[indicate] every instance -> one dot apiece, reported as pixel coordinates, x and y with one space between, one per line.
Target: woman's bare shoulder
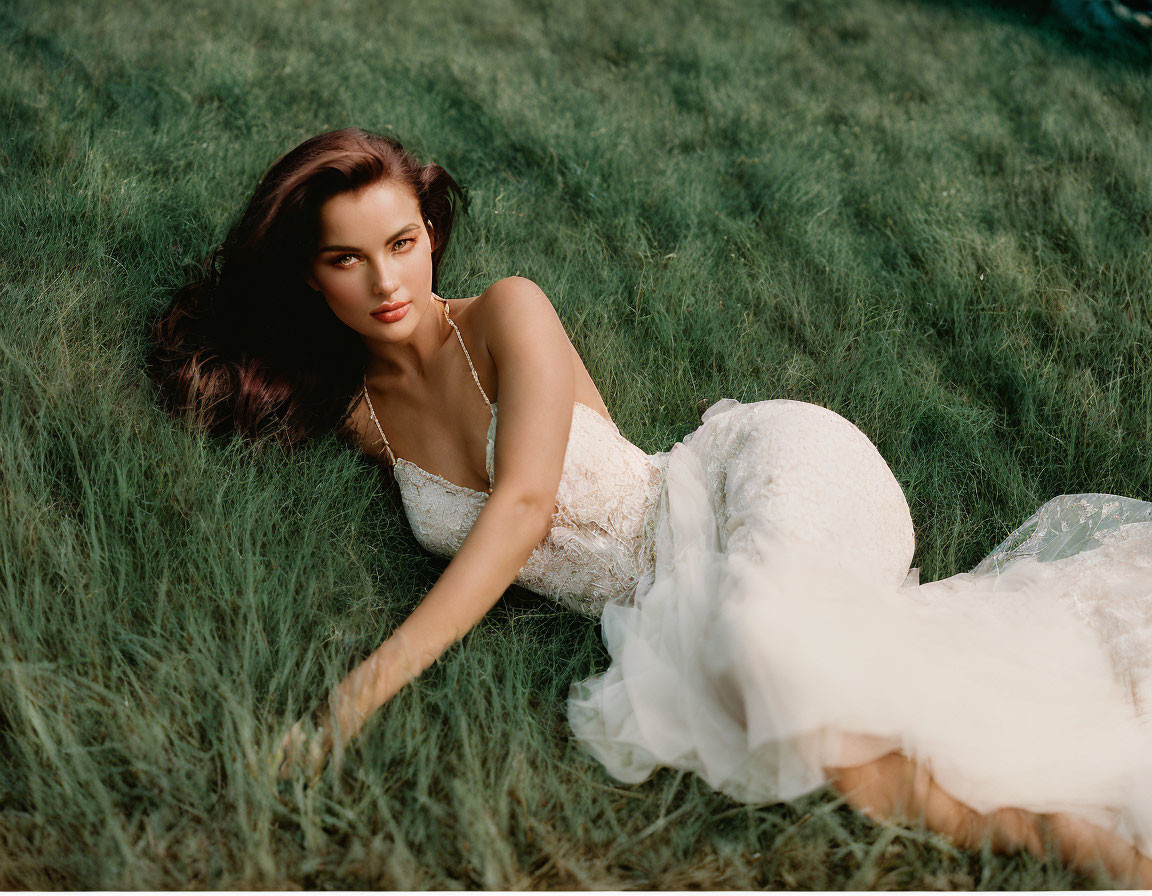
494 300
517 303
512 288
511 302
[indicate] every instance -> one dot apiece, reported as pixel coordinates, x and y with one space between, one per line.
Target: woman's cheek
421 268
337 300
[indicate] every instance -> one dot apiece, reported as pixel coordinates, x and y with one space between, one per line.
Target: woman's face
373 262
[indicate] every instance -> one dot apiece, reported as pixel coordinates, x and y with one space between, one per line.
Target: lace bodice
601 542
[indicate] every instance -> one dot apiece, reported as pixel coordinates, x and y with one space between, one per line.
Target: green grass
934 218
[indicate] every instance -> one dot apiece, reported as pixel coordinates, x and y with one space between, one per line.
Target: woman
751 580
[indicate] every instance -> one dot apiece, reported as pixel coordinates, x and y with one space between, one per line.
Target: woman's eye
345 261
403 243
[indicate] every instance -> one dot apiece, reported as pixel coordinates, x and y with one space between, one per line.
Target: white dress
757 604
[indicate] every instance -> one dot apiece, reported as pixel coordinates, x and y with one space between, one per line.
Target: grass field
934 218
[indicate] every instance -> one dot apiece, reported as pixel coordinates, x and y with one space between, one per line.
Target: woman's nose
383 283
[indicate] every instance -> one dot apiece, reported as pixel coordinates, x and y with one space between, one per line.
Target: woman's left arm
533 361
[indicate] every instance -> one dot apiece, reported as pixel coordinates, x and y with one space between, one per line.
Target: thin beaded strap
372 416
468 357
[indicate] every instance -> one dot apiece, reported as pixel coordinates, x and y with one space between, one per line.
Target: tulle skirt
782 634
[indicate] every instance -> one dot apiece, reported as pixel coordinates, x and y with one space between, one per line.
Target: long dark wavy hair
248 346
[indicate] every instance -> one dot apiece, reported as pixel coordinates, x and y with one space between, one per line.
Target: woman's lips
391 312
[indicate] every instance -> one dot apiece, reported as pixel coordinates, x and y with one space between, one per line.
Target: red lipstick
390 312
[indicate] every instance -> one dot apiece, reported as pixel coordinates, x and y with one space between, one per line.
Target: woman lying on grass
750 581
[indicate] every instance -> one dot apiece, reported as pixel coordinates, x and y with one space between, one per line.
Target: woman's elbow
537 514
531 508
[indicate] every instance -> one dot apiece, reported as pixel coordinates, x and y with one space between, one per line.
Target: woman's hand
306 746
309 742
343 713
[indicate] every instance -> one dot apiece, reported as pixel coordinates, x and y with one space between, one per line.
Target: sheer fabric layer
780 635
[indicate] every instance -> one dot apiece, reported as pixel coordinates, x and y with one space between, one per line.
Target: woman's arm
536 390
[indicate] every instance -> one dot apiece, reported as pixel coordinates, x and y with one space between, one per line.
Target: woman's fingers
290 750
305 748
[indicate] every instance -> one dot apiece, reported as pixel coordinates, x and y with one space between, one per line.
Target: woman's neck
412 358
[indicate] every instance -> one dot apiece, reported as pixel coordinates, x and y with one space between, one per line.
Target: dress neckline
491 440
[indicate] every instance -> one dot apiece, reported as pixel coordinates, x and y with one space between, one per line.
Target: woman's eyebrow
399 233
